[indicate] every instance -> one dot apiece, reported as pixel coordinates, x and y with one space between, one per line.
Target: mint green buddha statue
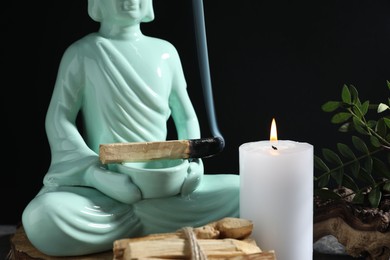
125 86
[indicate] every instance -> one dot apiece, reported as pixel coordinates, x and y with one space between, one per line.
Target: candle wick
274 147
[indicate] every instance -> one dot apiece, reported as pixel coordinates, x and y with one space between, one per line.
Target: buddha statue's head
136 11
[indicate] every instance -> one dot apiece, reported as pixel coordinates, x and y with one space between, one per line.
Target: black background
279 59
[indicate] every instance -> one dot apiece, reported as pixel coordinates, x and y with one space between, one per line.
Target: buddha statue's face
125 12
130 5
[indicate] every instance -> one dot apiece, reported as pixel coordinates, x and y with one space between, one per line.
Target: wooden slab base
22 249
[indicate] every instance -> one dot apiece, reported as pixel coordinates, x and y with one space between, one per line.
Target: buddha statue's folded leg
71 221
216 197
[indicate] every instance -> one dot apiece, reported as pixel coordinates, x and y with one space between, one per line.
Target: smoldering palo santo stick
171 149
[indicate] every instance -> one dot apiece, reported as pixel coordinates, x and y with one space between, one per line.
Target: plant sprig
362 167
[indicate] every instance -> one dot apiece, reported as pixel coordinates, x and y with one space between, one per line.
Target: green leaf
380 168
387 122
386 187
380 127
371 123
354 94
368 165
355 169
326 194
346 95
359 126
359 144
319 164
340 117
338 175
323 180
330 106
360 166
346 151
331 156
358 111
382 107
374 197
350 183
364 107
358 198
366 177
375 141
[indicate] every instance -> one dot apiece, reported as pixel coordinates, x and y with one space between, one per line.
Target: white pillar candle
276 193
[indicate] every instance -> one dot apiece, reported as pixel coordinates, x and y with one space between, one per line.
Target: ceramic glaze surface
157 179
125 85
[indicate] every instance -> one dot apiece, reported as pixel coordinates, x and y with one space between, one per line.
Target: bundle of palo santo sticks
228 238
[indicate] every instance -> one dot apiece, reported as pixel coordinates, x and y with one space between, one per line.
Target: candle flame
273 135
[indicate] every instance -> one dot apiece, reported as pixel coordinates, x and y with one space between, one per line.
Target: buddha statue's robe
120 100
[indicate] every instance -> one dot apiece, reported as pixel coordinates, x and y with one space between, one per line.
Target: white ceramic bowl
157 179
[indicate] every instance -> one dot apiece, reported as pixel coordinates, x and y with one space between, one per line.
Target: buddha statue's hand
194 176
115 185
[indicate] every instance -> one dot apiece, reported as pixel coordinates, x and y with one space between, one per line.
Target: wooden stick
180 248
147 151
235 228
269 255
